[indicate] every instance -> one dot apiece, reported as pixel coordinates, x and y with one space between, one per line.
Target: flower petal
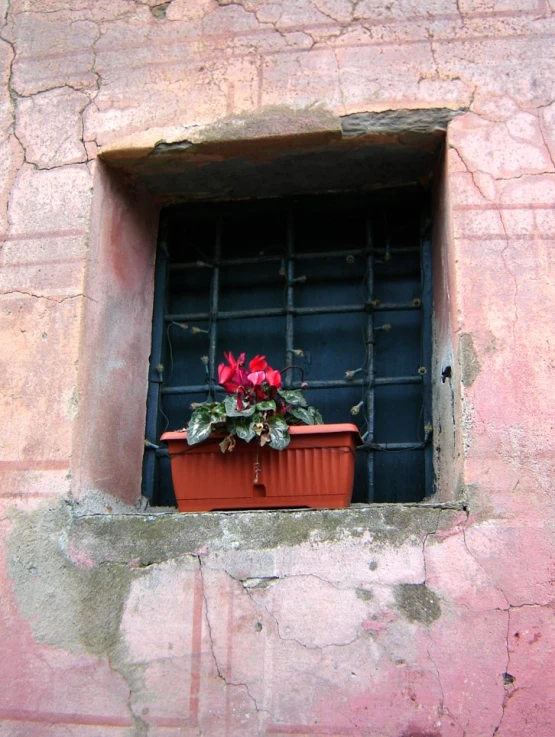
258 363
225 373
273 377
257 377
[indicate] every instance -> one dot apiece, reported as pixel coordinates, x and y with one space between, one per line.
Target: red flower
225 373
234 376
260 394
257 364
273 377
236 380
257 377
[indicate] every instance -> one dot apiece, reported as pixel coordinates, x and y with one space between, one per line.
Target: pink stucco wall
430 621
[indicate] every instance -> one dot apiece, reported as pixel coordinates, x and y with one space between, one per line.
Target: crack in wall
425 542
441 706
140 726
41 155
260 711
22 293
475 559
496 177
259 585
11 130
33 532
508 691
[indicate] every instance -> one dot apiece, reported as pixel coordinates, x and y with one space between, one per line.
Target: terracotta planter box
316 470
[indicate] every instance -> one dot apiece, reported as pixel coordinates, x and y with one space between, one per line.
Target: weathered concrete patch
417 602
274 121
391 122
71 606
159 11
364 594
250 130
72 573
153 538
470 364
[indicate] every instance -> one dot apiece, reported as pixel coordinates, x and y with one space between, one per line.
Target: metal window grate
180 274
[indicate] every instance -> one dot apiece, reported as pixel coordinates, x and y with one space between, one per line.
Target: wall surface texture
395 621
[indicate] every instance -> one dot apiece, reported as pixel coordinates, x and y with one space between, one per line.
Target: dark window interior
336 285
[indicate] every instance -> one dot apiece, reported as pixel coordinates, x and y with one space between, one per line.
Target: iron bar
214 301
370 344
397 380
319 255
189 389
294 311
397 447
289 297
426 345
329 384
316 256
346 383
156 370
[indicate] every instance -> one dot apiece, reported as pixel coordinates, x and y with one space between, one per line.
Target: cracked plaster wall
420 622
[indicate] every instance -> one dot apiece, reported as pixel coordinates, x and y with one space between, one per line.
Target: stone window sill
153 536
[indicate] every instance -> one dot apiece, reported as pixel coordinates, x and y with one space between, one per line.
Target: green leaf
230 425
218 412
318 420
308 415
257 423
244 429
200 426
279 432
230 403
294 397
267 404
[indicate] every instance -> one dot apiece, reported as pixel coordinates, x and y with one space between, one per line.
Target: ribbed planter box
316 470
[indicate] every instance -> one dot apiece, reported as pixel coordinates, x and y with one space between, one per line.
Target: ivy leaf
230 403
257 424
279 432
308 415
200 426
268 404
318 420
294 397
218 412
244 429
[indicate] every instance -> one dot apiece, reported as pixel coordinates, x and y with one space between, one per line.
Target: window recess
338 286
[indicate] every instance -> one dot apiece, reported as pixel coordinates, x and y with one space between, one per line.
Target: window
337 286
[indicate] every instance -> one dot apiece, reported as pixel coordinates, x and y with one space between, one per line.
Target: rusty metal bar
296 311
426 345
370 345
330 384
316 256
214 301
396 447
289 299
